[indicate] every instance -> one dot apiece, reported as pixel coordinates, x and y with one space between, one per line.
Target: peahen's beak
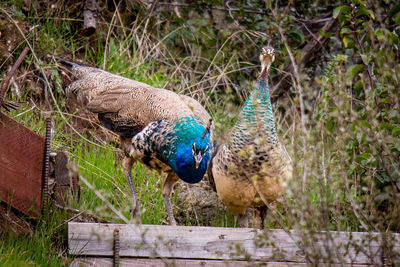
267 56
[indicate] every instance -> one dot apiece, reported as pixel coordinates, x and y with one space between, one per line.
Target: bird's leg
263 215
256 217
127 163
243 220
167 188
259 217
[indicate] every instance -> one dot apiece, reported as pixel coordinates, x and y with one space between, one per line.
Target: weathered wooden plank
143 262
21 166
187 242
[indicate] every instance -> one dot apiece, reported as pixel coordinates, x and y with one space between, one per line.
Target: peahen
252 167
166 131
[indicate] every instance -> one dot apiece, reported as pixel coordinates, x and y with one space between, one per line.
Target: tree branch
309 53
90 17
170 6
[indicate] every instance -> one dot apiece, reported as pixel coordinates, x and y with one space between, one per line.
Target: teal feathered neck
257 112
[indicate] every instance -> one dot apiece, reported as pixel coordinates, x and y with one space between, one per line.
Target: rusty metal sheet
21 166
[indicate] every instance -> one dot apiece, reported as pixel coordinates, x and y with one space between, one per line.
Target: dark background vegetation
335 87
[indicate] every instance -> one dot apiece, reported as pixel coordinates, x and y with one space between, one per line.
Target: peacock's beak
198 158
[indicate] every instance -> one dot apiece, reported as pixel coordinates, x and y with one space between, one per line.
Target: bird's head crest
207 129
267 56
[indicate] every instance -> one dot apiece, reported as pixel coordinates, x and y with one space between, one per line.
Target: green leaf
362 157
340 10
396 132
179 20
394 11
361 137
358 87
397 146
336 12
359 2
366 124
382 34
386 126
367 12
365 59
397 19
345 30
297 34
352 71
347 41
351 169
330 124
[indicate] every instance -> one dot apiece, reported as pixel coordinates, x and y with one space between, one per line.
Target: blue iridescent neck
188 131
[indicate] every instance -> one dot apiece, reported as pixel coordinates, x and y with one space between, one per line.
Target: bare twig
230 12
106 202
11 73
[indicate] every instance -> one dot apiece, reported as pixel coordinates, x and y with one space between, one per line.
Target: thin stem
297 85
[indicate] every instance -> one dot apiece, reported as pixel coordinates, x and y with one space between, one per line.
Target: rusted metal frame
75 187
46 166
11 73
116 248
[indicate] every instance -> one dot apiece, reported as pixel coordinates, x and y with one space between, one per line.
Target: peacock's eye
194 147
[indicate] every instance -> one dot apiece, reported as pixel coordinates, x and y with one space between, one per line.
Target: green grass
43 247
100 167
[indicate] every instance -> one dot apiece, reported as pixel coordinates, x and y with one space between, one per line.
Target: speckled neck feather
257 112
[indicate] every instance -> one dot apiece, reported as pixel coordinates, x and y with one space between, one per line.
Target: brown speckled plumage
252 160
128 101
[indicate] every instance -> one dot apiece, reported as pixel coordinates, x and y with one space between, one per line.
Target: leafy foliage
361 102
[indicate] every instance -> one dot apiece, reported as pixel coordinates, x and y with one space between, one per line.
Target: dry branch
90 17
309 53
11 73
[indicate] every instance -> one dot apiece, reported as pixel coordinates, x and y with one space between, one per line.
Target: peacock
252 168
168 132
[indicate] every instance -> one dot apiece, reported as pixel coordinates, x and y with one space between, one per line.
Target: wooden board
21 166
142 262
213 243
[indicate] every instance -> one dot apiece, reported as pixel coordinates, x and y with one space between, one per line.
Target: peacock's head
193 152
198 153
267 56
